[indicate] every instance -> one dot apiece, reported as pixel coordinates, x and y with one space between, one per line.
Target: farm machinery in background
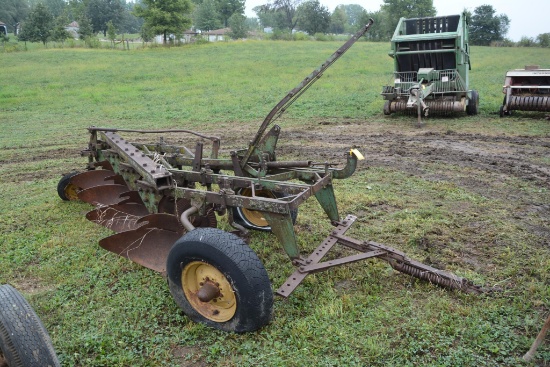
431 66
162 202
526 90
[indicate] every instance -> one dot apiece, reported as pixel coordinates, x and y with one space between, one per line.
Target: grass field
470 194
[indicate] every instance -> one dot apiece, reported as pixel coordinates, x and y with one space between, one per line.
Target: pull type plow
162 202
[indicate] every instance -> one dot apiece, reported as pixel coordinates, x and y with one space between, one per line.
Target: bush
279 35
92 42
324 37
300 36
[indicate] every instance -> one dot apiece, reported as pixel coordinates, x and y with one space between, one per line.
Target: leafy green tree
339 20
56 7
100 12
313 17
129 23
59 33
266 16
226 8
85 28
381 31
146 34
13 12
206 16
395 9
486 26
111 32
252 24
543 39
38 26
286 13
165 17
355 14
239 29
527 42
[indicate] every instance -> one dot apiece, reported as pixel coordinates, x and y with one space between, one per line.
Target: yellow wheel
208 291
254 219
67 190
216 279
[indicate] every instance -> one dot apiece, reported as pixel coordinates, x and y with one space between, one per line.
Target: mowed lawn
102 310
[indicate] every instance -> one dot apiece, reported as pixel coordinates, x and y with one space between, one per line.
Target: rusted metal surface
369 249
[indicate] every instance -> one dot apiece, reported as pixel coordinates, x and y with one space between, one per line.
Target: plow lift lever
295 93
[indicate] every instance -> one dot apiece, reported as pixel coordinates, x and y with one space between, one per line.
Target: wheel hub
208 291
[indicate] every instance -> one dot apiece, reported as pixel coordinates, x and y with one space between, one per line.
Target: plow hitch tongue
162 202
369 249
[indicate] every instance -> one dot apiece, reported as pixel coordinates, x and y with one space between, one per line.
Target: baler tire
501 111
244 217
24 341
387 110
473 108
212 255
65 184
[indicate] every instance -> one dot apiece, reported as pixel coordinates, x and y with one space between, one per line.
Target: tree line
45 20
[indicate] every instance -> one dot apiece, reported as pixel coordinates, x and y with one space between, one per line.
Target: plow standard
162 201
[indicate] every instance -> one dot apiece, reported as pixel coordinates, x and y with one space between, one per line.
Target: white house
73 29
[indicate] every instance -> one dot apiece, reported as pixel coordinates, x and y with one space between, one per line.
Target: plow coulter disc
149 244
88 179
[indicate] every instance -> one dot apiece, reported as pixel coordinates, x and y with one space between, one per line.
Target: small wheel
473 104
254 219
387 110
65 189
24 341
501 111
216 279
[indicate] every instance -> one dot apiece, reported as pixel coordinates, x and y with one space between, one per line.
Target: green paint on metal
281 225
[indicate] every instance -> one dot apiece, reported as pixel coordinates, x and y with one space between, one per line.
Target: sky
527 18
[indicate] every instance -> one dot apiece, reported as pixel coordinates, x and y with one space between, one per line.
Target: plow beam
369 249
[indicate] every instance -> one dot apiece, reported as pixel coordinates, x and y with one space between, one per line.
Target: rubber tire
240 218
473 108
387 110
63 183
238 263
501 111
23 339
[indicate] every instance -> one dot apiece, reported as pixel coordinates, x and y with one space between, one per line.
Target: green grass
103 310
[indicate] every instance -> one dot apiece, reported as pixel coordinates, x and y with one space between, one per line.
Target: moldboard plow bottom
162 202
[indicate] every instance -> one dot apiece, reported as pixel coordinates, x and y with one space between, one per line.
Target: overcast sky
527 18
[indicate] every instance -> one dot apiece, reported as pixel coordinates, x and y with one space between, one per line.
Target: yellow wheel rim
253 216
197 275
71 192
